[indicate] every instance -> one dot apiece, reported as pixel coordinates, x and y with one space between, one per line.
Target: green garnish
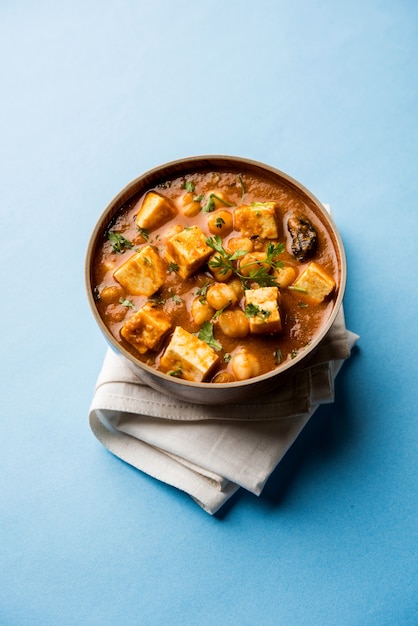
175 298
252 310
278 355
144 233
176 373
219 222
157 300
224 262
202 291
209 206
206 334
242 186
293 353
127 303
299 289
189 186
227 357
119 242
173 267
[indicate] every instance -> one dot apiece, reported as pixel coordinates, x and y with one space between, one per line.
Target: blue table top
93 94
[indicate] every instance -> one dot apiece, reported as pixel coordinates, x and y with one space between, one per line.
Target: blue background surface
93 94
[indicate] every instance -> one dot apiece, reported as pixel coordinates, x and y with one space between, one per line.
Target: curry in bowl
216 274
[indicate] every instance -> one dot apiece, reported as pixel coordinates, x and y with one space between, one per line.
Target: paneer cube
188 357
262 310
143 273
259 219
187 251
155 211
146 328
314 284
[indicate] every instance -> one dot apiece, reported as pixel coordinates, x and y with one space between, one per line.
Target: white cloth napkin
211 451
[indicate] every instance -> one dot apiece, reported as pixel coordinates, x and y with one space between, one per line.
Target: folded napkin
211 451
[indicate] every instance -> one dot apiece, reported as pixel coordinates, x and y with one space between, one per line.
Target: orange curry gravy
301 318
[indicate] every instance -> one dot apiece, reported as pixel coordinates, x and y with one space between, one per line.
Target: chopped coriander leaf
173 267
302 305
202 291
219 222
209 206
278 355
206 334
189 186
220 311
261 275
119 242
227 357
175 298
176 373
127 303
242 186
300 289
293 353
198 198
252 310
157 300
144 233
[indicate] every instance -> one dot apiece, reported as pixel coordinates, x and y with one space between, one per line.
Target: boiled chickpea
223 377
174 230
244 365
115 312
285 276
233 323
220 222
188 206
218 272
240 243
236 285
252 262
111 295
219 198
220 295
201 311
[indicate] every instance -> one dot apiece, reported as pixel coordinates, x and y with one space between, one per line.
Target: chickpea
233 323
115 312
107 266
220 295
173 231
219 273
244 365
236 285
223 377
201 311
188 206
285 276
252 262
220 222
111 294
219 198
240 243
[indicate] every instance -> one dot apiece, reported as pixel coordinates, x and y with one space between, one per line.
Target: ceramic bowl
210 393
